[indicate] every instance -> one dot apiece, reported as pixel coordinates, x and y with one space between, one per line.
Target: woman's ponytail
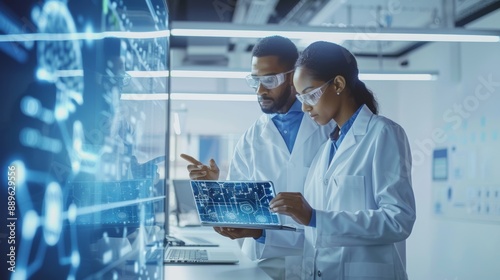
362 95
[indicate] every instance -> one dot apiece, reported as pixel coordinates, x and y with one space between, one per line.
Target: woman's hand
292 204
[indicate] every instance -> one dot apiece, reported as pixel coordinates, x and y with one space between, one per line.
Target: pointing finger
191 159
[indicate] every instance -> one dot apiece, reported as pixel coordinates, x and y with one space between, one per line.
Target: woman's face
322 102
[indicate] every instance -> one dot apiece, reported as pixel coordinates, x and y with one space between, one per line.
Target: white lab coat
365 207
261 154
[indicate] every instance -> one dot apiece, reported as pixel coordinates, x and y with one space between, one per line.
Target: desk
244 270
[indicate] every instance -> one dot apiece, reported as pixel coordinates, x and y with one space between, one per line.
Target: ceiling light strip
26 37
214 29
398 76
241 74
190 97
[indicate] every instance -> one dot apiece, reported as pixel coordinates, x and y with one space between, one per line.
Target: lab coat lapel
307 128
271 132
358 129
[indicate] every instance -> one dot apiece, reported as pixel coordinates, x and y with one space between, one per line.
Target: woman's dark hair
325 61
282 47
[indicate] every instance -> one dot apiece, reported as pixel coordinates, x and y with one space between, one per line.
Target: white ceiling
205 117
362 14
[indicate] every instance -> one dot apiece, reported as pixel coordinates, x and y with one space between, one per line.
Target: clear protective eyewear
313 96
269 81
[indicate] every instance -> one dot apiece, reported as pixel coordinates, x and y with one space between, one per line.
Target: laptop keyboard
182 255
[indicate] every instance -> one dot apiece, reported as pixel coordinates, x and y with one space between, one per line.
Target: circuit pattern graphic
51 209
234 202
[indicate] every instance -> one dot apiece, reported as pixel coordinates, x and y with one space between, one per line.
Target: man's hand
292 204
199 171
235 233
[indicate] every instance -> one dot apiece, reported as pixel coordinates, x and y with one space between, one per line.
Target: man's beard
278 103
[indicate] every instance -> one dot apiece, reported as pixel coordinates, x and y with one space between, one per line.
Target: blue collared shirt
337 136
288 124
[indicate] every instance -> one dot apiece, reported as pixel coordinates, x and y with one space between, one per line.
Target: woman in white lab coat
358 206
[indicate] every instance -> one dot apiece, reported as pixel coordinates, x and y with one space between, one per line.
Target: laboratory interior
100 98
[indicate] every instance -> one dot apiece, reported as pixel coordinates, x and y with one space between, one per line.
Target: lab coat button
325 181
319 273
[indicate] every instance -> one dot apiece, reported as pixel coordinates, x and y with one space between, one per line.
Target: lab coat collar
358 128
307 128
270 131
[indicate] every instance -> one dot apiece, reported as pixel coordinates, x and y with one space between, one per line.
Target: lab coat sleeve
278 243
390 188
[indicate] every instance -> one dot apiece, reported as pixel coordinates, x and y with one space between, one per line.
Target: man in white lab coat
279 147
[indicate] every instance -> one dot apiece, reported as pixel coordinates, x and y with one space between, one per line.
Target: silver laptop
185 208
239 204
186 255
189 241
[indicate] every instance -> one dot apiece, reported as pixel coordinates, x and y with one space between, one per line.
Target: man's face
279 99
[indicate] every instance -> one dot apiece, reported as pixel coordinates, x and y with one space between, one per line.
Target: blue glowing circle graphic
53 210
231 216
246 208
122 215
30 224
261 218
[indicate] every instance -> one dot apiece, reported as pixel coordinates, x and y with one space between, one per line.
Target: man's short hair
279 46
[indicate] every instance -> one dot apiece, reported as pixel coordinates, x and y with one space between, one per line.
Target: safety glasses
269 82
313 96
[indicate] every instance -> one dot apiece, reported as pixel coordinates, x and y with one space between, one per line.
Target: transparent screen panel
84 129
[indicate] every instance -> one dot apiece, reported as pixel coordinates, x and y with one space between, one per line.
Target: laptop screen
235 202
185 207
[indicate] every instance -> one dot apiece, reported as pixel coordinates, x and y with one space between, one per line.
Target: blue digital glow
83 208
53 206
31 106
234 202
30 224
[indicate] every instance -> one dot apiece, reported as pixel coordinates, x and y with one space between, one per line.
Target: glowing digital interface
83 188
234 202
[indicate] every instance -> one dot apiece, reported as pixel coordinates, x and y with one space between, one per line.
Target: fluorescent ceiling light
394 76
24 37
209 74
369 33
398 76
190 97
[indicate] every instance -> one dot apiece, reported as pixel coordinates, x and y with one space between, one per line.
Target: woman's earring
338 92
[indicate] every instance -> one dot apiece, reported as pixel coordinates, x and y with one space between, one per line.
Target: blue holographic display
234 202
82 194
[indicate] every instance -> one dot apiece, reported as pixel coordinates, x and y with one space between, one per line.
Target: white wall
449 248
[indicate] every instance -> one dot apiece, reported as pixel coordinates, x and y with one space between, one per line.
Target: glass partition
84 125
